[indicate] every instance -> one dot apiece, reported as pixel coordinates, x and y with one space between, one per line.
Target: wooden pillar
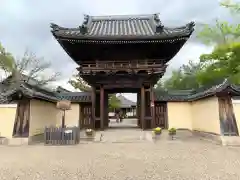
93 107
138 110
101 108
106 110
143 108
153 123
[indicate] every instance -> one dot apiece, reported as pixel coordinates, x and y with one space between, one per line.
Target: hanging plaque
64 105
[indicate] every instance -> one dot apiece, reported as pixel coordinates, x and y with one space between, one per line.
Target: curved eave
132 40
231 89
64 48
117 39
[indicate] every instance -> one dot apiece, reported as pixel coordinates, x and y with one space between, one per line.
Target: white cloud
63 83
26 24
190 51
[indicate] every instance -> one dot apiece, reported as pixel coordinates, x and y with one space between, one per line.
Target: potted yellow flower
89 132
172 132
157 131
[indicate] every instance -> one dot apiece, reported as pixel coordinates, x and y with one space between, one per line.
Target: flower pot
158 133
89 133
172 133
157 130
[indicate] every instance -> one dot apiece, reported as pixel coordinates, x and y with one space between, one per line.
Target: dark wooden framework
161 115
228 124
85 115
22 117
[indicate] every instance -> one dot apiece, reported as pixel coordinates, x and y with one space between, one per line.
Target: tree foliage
184 77
30 65
114 102
234 7
223 62
78 83
222 32
7 63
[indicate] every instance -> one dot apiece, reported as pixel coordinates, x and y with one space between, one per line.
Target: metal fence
61 136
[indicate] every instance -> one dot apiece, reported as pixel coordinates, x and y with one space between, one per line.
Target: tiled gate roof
123 26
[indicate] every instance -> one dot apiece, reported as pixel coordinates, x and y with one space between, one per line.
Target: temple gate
123 54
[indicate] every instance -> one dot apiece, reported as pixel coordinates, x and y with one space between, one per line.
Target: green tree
182 78
234 7
222 32
7 63
159 85
114 102
223 62
174 81
78 83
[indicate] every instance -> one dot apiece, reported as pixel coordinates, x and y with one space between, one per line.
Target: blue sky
25 25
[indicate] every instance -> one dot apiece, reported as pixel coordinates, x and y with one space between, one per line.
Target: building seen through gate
123 54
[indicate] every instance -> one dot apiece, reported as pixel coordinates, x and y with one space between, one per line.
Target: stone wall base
181 133
18 141
215 138
13 141
230 140
218 139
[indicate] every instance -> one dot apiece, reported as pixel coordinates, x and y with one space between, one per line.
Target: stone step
17 141
3 141
230 140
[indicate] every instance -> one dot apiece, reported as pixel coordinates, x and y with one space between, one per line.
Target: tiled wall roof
197 94
76 96
187 95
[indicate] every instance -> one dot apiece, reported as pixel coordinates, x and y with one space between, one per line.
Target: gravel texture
179 159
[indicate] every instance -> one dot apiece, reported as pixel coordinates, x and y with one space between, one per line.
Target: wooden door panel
227 117
87 117
161 115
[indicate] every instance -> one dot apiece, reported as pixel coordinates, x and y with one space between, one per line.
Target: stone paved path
121 161
184 158
126 123
123 135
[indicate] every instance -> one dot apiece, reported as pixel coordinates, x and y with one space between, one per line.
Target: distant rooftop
126 103
60 89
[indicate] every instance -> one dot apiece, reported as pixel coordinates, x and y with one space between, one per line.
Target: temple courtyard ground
122 156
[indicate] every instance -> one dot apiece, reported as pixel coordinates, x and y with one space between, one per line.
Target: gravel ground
192 159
